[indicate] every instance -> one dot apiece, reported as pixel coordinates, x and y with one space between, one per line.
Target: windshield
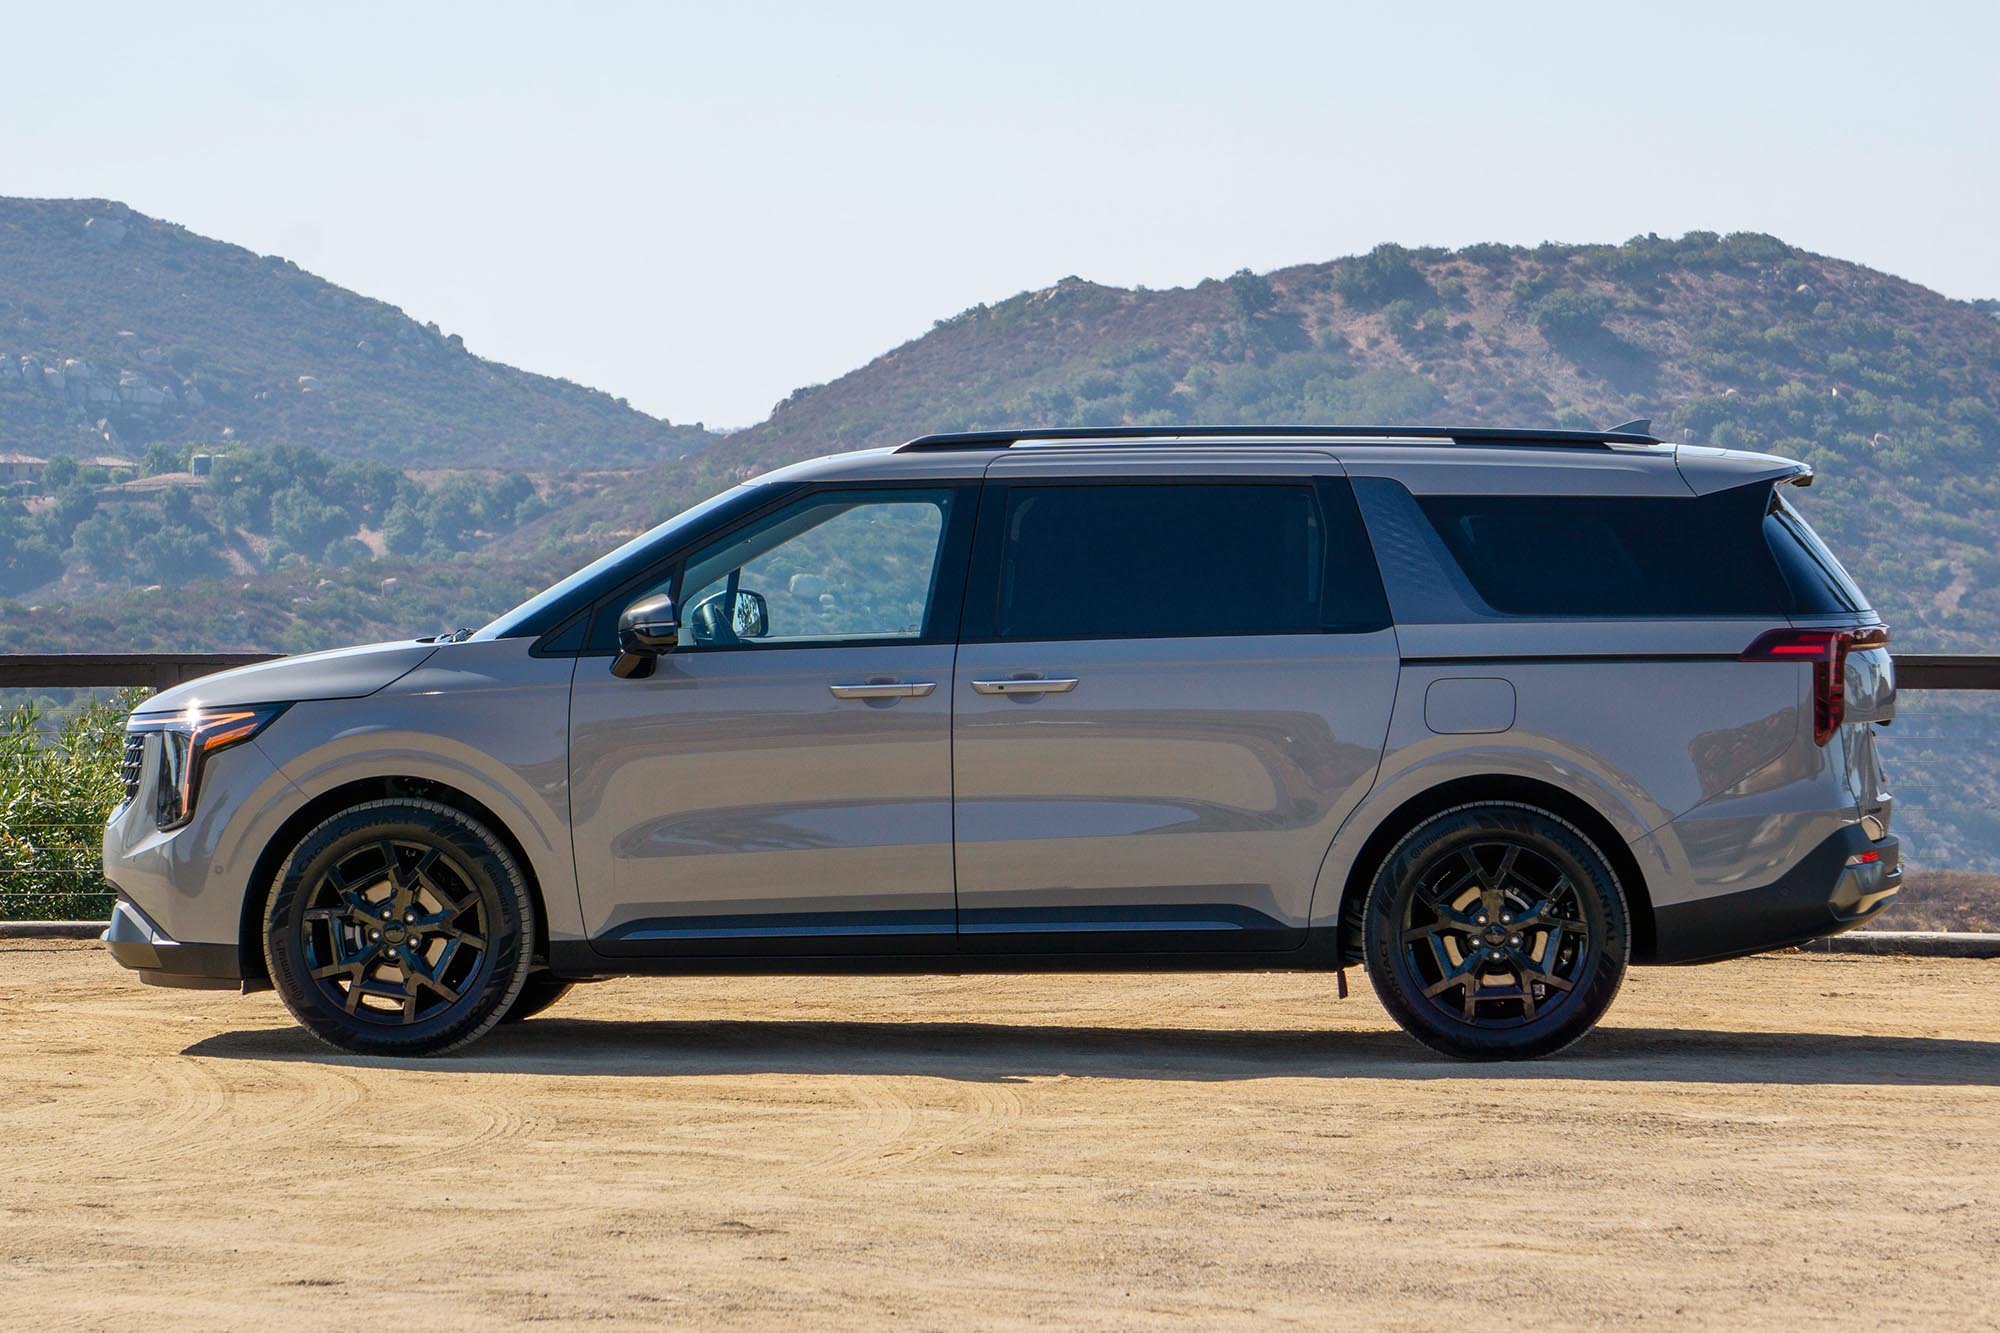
526 617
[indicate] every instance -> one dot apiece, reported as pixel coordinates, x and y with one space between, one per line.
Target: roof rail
1002 439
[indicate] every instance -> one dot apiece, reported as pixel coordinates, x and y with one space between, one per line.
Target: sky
702 207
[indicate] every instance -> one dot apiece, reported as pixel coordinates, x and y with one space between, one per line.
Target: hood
342 673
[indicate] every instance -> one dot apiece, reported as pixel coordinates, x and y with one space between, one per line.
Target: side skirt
578 961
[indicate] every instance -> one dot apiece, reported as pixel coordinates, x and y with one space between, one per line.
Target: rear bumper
1846 881
161 960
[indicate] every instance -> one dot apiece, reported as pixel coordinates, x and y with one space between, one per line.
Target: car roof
1426 459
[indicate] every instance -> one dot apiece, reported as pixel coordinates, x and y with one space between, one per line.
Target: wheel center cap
393 934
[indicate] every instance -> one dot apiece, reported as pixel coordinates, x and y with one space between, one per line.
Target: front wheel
399 927
1496 931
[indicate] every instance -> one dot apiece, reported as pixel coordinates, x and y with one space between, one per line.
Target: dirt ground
1768 1142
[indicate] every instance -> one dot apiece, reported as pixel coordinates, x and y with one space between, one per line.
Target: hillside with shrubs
118 330
1891 390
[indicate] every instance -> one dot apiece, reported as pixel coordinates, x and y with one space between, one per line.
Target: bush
59 783
1250 294
1567 315
1382 275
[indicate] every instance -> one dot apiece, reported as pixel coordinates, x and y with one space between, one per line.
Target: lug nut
1506 917
374 934
1482 920
1515 940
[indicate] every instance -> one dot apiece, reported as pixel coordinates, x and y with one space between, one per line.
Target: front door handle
1031 685
893 689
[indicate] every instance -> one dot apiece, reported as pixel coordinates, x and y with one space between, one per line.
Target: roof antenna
1640 426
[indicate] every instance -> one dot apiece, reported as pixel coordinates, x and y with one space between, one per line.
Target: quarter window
1605 556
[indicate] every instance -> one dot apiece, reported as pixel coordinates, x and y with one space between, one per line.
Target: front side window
833 567
1109 560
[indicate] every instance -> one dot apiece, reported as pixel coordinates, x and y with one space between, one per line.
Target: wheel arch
1414 810
318 809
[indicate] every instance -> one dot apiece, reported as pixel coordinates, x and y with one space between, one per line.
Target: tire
541 991
1518 987
360 979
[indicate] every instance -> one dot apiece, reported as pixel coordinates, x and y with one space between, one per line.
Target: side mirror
646 629
720 618
752 617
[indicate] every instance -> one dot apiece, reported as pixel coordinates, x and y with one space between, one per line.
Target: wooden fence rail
89 670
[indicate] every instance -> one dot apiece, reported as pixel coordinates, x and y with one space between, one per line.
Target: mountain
1892 391
118 330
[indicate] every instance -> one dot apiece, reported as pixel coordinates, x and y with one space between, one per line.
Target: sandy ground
1770 1141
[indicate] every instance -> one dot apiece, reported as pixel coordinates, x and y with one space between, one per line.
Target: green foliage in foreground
58 785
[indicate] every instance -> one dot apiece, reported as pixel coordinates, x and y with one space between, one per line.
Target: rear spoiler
1707 470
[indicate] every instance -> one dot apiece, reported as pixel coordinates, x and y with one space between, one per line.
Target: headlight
186 741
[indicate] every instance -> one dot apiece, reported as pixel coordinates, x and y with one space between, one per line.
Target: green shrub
1567 315
1384 274
59 783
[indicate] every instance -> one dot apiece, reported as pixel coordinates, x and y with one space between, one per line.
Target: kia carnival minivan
1491 713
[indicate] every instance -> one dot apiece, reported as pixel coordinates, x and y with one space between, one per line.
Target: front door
782 781
1170 692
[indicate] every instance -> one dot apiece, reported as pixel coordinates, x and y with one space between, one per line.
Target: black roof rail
1633 433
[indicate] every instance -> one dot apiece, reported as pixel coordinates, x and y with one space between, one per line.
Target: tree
161 458
1382 275
60 472
1250 294
1567 315
306 521
403 529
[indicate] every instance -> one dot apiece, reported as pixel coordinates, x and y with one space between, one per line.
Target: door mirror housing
647 628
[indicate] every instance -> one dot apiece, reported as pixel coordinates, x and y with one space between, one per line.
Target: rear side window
1613 556
1818 584
1182 559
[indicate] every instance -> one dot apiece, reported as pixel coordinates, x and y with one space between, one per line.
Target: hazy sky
701 207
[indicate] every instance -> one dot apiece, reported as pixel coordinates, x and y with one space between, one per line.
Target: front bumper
1846 881
161 960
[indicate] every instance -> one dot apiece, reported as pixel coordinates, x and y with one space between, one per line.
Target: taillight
1827 650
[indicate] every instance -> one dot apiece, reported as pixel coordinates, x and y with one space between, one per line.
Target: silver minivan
1492 713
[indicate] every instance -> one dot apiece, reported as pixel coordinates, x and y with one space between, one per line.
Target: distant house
109 462
21 467
149 488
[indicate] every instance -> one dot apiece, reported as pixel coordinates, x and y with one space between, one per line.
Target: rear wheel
399 927
541 991
1496 931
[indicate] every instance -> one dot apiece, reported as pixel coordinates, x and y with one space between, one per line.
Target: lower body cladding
161 960
1845 881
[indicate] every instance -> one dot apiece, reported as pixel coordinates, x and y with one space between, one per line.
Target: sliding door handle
892 689
1032 685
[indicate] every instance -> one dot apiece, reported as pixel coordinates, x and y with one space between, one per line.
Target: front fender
484 719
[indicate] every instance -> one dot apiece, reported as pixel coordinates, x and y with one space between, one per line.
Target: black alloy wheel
399 927
1496 931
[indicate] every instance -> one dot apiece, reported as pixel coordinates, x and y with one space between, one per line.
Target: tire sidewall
1601 896
494 874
